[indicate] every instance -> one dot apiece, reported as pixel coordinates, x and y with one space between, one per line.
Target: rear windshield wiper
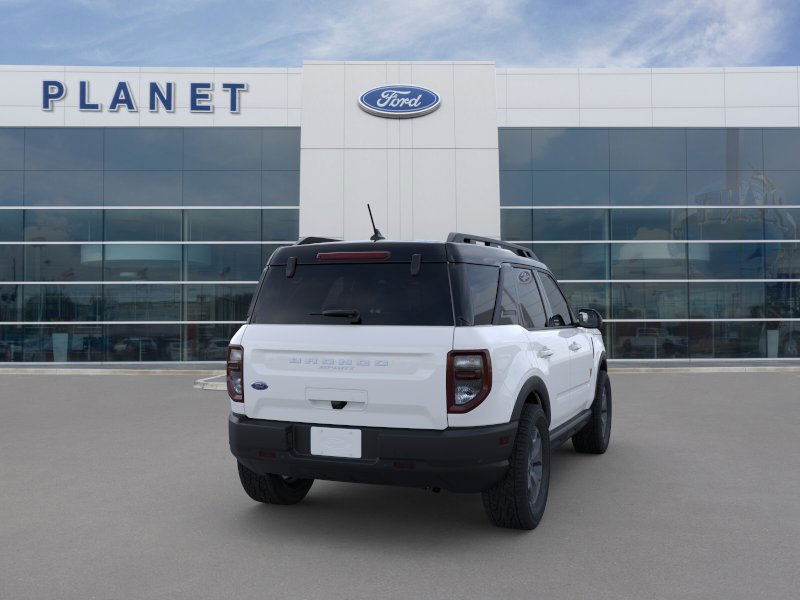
346 313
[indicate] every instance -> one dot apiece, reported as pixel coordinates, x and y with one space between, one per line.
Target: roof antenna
377 235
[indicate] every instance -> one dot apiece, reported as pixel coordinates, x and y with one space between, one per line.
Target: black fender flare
602 364
533 385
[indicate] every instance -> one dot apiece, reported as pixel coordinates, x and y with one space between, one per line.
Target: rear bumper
468 459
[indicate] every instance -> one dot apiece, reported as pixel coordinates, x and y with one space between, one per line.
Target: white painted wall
424 176
690 97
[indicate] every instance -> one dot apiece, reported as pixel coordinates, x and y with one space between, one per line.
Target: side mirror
589 318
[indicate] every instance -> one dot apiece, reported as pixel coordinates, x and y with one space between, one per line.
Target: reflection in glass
636 300
575 261
280 188
62 343
570 149
648 261
516 225
218 302
726 224
142 225
726 261
10 305
280 148
143 148
648 149
221 148
62 303
63 225
280 224
648 224
650 339
63 188
142 302
782 148
11 188
147 262
557 224
234 262
221 188
587 295
142 188
563 188
783 340
208 342
783 299
143 342
727 340
222 225
63 148
10 226
726 300
12 148
782 260
648 187
724 149
516 188
515 149
63 262
11 263
731 188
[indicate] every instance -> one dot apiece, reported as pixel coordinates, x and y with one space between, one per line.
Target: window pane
12 145
208 342
516 188
648 187
218 302
221 188
474 293
587 295
11 263
142 302
557 188
781 223
63 343
516 224
726 224
11 188
280 224
61 302
222 225
570 149
783 299
515 149
142 225
575 261
142 188
649 300
10 226
648 149
727 340
726 261
783 187
64 188
222 148
68 262
143 148
143 342
576 224
281 148
239 262
782 261
558 304
726 300
154 262
783 341
280 188
509 313
648 224
724 149
63 225
11 340
652 339
10 308
729 188
648 261
530 300
63 148
782 148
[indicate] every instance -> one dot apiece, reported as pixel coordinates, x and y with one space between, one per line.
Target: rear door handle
545 352
574 347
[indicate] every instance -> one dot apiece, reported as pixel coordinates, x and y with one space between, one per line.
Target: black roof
401 252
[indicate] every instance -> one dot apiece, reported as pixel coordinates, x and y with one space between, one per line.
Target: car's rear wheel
518 500
595 435
273 489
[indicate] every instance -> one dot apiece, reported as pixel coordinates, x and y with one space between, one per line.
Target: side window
508 298
475 293
558 303
530 301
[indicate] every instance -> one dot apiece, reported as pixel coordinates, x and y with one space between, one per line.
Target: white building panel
615 90
690 90
542 90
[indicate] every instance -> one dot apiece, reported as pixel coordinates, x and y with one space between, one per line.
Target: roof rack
315 240
466 238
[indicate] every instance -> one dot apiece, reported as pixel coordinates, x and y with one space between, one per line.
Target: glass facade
138 244
685 240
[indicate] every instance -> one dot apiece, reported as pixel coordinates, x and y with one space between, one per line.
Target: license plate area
336 441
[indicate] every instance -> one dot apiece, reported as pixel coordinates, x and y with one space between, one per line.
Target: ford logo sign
259 385
399 101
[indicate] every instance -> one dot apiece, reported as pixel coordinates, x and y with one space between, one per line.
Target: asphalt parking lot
123 487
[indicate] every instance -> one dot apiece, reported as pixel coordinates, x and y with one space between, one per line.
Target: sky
580 33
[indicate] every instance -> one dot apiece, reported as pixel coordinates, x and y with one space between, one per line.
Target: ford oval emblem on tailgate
259 385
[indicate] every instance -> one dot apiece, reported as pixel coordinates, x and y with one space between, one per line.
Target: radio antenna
377 235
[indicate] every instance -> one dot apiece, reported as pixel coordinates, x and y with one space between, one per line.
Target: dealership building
138 206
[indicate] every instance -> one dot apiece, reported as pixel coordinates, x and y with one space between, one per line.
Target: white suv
456 365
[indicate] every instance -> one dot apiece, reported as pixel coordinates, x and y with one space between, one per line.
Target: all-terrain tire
273 489
518 500
595 435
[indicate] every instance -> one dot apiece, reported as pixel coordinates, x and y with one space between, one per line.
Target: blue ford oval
399 101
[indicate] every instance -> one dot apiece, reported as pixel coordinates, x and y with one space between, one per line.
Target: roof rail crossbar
466 238
315 240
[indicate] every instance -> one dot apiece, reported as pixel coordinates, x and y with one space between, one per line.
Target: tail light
234 373
469 379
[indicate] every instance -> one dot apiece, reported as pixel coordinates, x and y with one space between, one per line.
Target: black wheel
273 489
595 435
518 500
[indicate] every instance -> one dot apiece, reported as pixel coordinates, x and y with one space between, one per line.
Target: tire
595 435
518 500
273 489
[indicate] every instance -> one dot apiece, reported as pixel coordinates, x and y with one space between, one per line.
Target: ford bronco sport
456 365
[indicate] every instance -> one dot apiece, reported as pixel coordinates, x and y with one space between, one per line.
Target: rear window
382 294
